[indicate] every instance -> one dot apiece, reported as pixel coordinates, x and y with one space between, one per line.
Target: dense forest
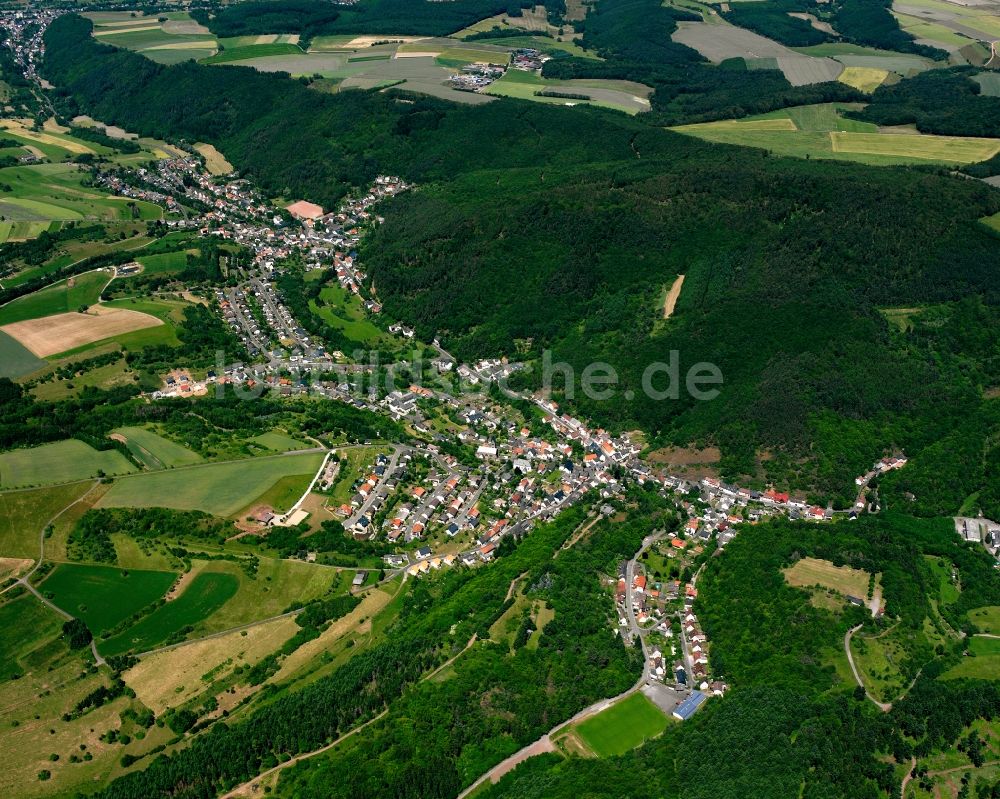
787 262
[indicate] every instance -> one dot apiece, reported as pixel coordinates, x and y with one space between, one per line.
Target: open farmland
61 462
864 79
176 38
809 572
820 131
618 94
717 42
946 24
233 54
623 726
205 594
54 334
215 162
15 359
218 488
154 450
59 298
103 596
172 677
23 514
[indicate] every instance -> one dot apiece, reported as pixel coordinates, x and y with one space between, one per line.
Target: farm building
689 706
303 210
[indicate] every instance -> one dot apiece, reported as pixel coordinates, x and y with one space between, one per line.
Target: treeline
435 622
311 19
772 19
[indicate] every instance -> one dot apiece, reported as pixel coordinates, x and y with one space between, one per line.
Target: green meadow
218 488
23 514
60 462
103 596
155 451
15 359
62 297
204 595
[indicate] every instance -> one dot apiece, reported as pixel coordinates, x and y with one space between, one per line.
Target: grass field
864 79
26 623
233 54
821 131
156 451
177 38
989 83
344 311
880 660
15 359
987 619
60 462
623 726
215 162
842 579
203 596
221 488
24 513
983 667
277 441
620 95
104 595
941 569
66 295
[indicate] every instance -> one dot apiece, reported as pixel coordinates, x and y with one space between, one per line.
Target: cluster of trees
98 136
772 19
311 19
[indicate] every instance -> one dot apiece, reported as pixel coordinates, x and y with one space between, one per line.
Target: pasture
16 360
155 451
67 331
809 572
23 514
59 298
103 596
821 131
986 619
218 488
60 462
623 726
204 595
168 679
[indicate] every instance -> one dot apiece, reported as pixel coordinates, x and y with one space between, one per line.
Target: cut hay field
15 359
60 462
215 162
865 79
66 295
809 572
218 488
51 335
623 726
821 131
168 679
23 514
103 596
717 42
203 596
155 451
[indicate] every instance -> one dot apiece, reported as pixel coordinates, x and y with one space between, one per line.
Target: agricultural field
632 98
23 514
59 298
155 451
16 360
809 572
989 83
170 678
865 79
178 38
103 596
215 162
204 595
45 194
276 441
623 726
26 624
820 131
244 52
219 488
852 55
950 26
719 41
51 335
60 462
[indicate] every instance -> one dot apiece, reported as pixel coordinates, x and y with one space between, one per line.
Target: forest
600 212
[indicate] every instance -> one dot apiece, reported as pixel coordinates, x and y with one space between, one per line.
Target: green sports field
16 360
155 451
66 295
205 594
218 488
60 462
623 726
103 596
